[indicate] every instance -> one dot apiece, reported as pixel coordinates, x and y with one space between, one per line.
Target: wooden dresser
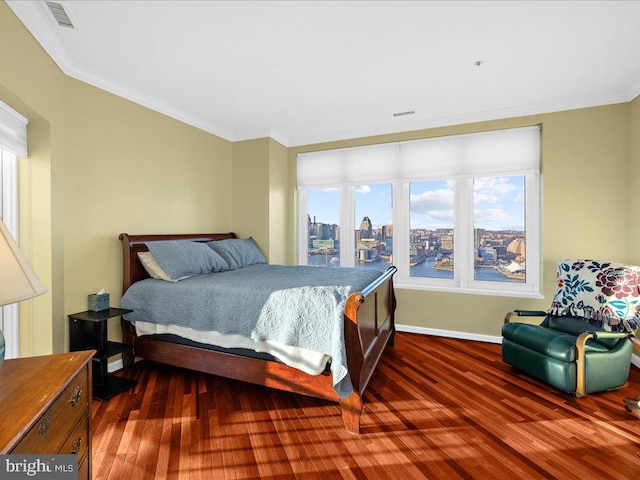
45 406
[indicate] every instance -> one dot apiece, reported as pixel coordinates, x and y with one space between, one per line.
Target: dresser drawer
54 426
78 440
83 468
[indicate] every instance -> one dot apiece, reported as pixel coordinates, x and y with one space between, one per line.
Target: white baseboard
115 366
448 333
635 359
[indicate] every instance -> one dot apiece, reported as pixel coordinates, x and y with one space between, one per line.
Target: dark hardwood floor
435 408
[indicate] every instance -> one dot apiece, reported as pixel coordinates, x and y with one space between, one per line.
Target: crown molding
634 92
482 116
262 133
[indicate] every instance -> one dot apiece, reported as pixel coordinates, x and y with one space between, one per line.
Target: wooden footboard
369 327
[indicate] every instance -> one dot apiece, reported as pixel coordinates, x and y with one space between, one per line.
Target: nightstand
88 331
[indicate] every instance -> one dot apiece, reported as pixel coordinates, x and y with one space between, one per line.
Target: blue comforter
293 305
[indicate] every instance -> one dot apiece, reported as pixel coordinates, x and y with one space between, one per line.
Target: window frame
9 321
463 279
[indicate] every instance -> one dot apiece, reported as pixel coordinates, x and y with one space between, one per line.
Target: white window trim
9 322
347 235
13 130
303 228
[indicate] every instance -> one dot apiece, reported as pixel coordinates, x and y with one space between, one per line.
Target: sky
498 204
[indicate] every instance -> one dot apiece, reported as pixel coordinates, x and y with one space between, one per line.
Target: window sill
474 291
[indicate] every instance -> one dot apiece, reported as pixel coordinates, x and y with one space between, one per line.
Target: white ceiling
305 72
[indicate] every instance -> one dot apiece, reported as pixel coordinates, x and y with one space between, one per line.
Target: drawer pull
44 425
75 448
75 396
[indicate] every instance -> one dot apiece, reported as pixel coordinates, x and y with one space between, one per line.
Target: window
431 229
456 213
499 229
323 232
13 143
373 226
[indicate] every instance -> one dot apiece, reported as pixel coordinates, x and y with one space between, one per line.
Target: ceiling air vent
402 114
57 10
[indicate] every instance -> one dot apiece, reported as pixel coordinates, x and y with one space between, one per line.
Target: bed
368 329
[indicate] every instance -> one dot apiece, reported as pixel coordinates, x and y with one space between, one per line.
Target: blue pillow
237 252
183 258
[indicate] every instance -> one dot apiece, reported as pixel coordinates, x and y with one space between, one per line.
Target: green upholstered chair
582 346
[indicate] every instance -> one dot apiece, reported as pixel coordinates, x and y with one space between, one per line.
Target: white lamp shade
18 281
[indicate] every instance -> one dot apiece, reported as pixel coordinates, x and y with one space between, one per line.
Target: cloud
491 189
446 215
490 215
438 204
432 200
363 189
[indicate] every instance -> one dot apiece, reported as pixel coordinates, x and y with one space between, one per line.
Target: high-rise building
366 229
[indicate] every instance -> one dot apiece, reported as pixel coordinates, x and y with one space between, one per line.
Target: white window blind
348 166
13 130
475 154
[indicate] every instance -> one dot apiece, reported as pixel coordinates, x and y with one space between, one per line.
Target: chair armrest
610 334
589 334
580 355
524 313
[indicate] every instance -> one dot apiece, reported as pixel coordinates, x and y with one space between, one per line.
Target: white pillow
153 269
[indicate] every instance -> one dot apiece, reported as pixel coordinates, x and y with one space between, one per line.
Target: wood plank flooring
436 408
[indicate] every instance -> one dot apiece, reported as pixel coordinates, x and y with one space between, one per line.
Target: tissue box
100 302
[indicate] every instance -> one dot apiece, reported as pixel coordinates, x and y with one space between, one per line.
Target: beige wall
98 165
260 196
584 212
634 181
250 205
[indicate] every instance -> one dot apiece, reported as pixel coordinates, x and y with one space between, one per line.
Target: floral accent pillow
605 294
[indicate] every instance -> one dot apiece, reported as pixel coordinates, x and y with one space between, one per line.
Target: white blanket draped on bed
308 361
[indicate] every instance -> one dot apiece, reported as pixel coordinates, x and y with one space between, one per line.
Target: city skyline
498 204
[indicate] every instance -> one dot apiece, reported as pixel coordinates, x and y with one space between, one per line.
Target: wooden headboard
133 271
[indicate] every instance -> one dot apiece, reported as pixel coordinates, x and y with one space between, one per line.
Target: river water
424 269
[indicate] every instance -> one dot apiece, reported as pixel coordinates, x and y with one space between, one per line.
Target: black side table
88 331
